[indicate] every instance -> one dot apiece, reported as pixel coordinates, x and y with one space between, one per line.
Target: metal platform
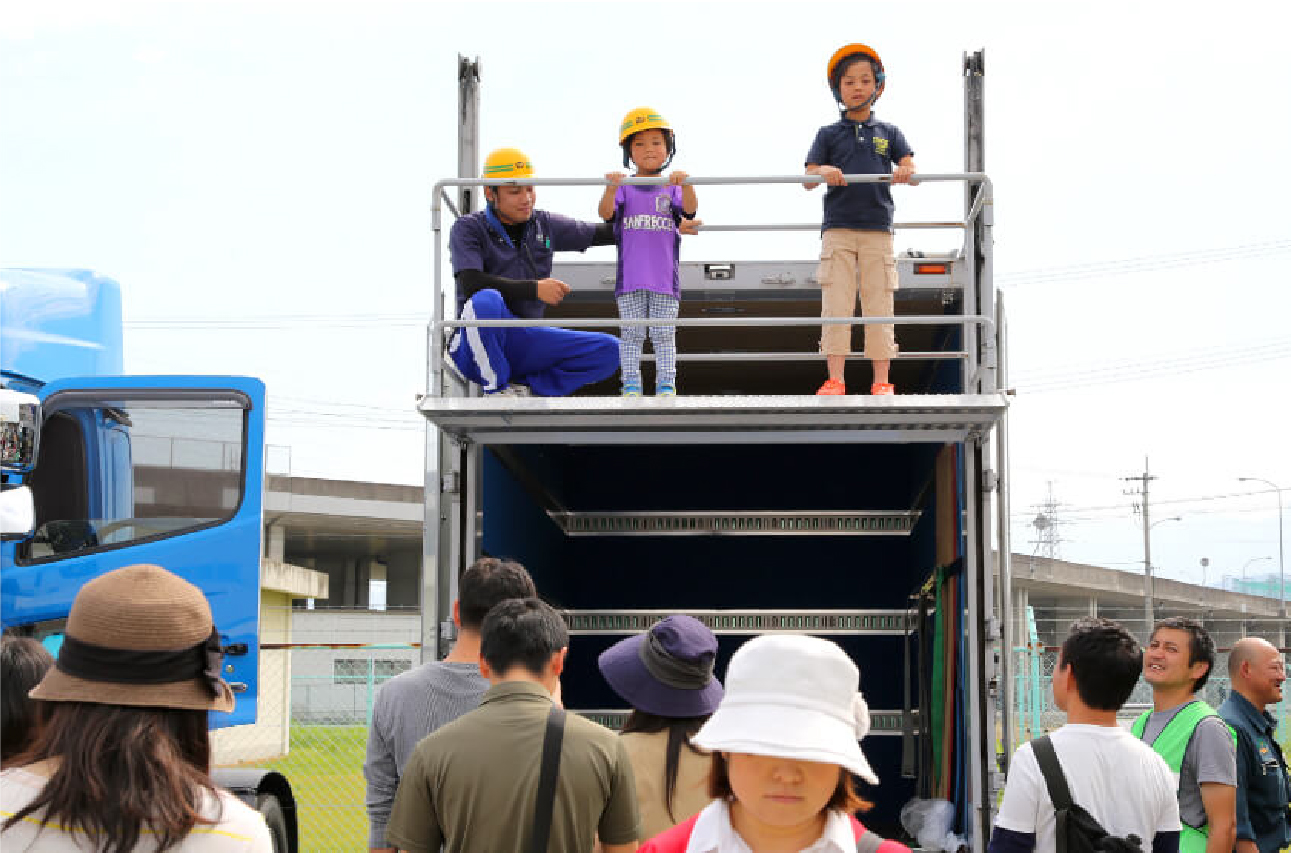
715 419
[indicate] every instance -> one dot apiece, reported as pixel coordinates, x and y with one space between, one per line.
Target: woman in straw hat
666 675
785 745
122 763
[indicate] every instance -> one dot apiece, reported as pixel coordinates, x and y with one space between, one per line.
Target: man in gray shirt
1198 746
416 703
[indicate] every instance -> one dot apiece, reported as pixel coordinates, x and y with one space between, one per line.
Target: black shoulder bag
1077 830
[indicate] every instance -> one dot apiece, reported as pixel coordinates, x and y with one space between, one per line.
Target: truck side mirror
19 431
19 444
17 512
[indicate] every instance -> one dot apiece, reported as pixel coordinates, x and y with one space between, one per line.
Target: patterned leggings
638 305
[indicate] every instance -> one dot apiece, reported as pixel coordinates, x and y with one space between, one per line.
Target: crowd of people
767 760
502 256
1184 777
106 748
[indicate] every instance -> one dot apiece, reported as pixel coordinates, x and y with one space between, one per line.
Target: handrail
599 323
437 327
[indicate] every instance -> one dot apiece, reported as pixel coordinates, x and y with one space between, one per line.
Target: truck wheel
271 810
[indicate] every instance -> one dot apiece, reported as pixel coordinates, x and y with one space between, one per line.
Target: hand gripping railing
981 196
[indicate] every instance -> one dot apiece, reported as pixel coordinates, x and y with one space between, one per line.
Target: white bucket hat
792 696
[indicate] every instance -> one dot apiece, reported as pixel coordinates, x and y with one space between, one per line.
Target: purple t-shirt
645 226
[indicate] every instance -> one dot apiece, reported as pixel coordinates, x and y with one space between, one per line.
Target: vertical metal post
441 556
1148 609
1005 547
468 129
975 640
977 299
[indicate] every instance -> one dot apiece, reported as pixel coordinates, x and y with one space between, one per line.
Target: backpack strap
1054 779
552 738
1056 782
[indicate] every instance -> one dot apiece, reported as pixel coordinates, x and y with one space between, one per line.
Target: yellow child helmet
645 118
507 163
834 68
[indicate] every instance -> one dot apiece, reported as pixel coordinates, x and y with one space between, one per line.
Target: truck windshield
121 470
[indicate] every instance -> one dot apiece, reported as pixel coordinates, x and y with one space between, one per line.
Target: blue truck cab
167 470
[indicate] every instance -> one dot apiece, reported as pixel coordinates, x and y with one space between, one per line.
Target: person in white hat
785 744
122 762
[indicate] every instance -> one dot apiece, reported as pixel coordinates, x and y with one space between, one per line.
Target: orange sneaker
832 387
882 389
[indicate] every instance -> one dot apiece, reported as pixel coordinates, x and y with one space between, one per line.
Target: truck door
166 470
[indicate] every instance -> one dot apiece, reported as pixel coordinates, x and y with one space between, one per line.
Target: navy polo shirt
868 147
1262 779
478 241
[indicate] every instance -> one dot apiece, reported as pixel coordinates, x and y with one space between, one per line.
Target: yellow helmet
645 118
507 163
642 118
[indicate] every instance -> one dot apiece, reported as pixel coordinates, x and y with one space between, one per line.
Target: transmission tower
1047 523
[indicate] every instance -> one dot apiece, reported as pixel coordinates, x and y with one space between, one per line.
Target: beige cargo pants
852 259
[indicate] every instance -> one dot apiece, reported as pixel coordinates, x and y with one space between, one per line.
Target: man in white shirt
1113 775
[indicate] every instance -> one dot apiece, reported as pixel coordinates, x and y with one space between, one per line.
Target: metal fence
319 680
1035 712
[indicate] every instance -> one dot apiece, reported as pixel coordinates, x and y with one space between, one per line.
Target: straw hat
792 696
139 636
666 671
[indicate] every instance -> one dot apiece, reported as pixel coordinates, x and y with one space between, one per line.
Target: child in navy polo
645 222
856 233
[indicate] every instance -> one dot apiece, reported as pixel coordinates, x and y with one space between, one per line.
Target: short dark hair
1105 660
844 799
845 64
524 632
488 581
23 663
1200 646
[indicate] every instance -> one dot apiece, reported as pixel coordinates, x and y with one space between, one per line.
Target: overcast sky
257 176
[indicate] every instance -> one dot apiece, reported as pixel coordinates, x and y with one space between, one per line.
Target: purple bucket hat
666 671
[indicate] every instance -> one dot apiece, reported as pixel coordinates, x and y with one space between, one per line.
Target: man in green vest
1198 746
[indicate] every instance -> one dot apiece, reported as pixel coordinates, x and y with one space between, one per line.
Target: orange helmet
850 50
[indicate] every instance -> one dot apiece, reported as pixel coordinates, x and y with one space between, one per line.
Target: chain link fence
1035 712
321 669
319 675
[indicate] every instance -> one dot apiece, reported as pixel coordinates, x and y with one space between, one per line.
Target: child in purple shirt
646 227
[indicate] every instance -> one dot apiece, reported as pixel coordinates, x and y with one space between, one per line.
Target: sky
258 176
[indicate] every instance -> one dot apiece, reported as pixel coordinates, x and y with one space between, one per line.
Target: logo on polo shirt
662 204
880 146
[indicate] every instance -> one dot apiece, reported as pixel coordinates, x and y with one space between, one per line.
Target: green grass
325 768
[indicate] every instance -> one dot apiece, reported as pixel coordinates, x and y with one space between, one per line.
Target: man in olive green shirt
472 784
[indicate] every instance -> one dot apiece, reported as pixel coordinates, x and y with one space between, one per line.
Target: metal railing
979 363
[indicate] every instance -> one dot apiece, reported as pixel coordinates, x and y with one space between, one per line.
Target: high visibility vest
1171 744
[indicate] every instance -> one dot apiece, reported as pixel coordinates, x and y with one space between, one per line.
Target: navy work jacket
1262 782
478 241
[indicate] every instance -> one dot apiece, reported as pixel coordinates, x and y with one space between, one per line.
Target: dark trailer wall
880 557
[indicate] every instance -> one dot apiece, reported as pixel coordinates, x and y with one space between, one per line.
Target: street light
1247 563
1282 578
1148 615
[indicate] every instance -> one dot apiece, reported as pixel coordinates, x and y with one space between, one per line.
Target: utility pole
1143 480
